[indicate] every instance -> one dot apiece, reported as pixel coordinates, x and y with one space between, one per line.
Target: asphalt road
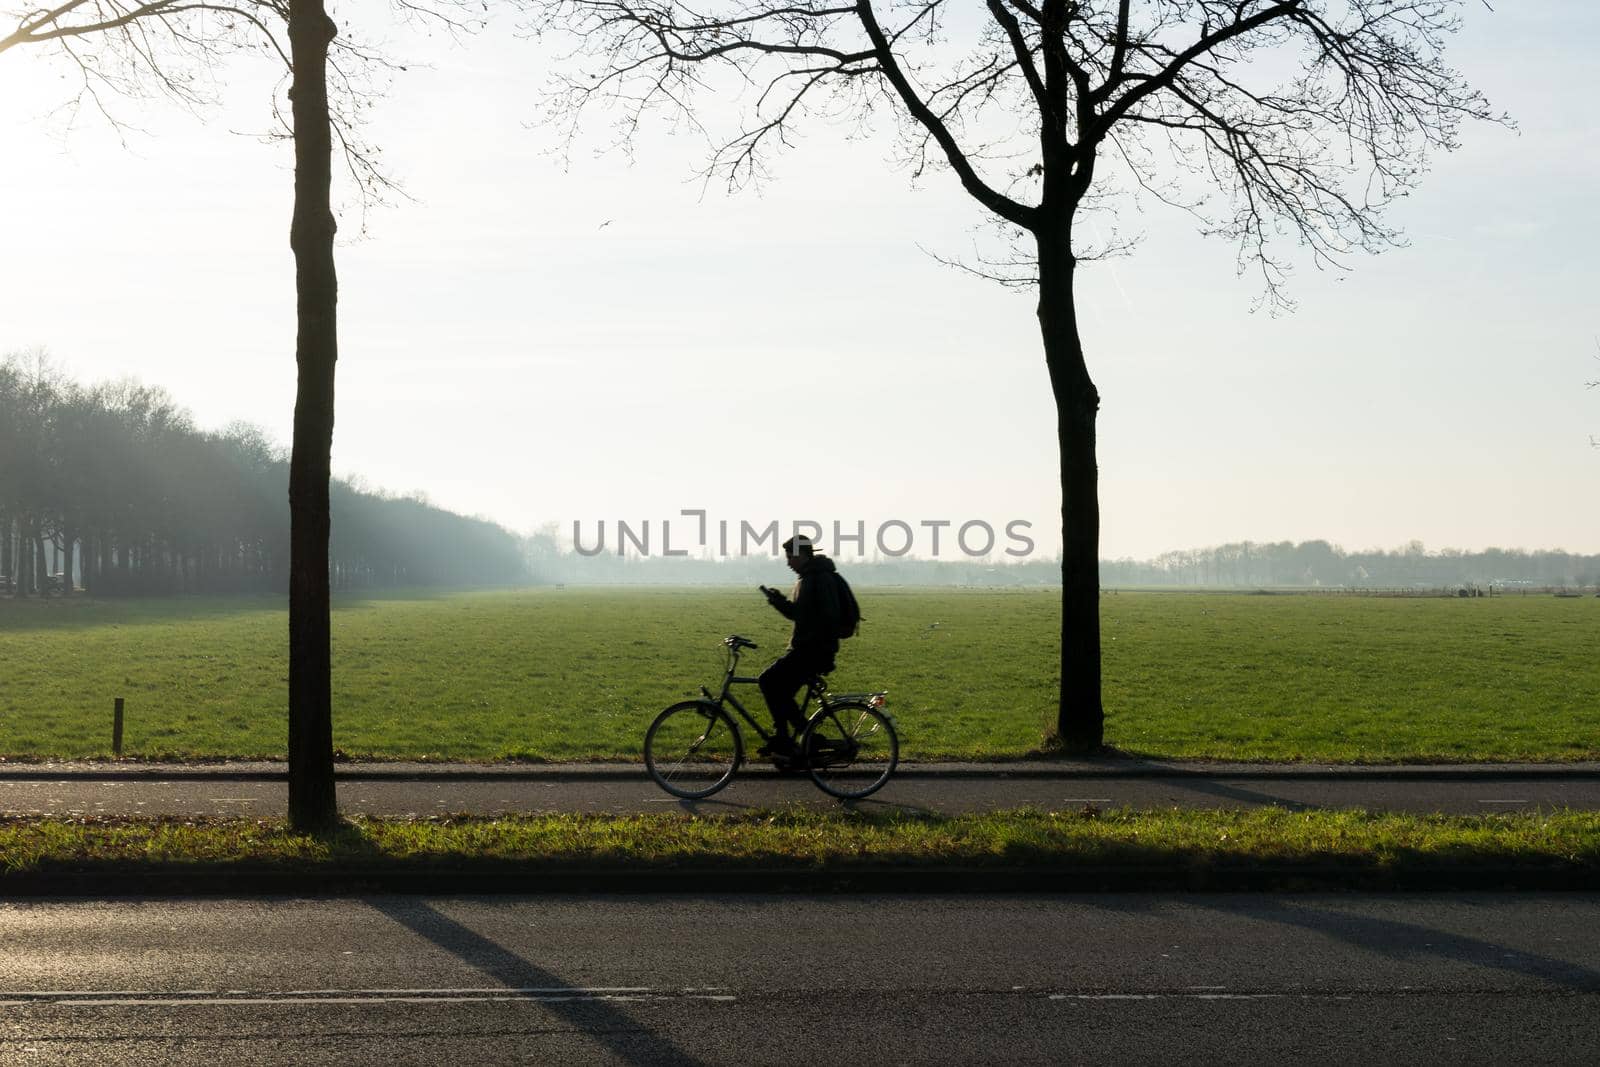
836 980
413 789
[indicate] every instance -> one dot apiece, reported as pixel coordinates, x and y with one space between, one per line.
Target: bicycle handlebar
735 642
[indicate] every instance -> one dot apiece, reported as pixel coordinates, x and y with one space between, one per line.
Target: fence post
116 729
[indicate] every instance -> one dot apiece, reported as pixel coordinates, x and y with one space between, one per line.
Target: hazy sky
795 353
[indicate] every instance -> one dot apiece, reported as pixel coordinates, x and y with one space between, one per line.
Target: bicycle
849 745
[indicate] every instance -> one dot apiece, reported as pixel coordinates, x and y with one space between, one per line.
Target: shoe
779 747
791 762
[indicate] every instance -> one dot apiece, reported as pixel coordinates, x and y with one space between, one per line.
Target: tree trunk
1080 718
66 562
313 804
41 562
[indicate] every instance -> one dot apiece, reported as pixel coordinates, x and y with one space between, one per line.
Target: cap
798 545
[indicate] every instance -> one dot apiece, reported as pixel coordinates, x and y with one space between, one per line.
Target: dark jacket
814 607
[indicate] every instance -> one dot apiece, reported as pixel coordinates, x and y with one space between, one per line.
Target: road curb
502 878
1497 772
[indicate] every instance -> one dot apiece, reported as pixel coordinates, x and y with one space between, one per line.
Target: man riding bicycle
814 607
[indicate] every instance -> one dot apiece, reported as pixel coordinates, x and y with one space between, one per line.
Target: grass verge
1024 849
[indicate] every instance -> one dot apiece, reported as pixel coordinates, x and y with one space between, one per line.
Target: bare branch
1023 50
1208 43
172 48
1019 272
1051 88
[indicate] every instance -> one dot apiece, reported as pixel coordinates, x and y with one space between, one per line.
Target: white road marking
1505 802
1107 996
443 991
213 1002
1085 800
1198 996
222 997
1237 996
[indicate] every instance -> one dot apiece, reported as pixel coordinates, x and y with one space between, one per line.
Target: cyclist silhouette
814 607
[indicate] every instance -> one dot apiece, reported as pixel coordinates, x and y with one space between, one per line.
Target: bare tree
1265 119
167 47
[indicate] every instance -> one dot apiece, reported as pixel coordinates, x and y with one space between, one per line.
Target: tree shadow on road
1400 940
1236 794
623 1036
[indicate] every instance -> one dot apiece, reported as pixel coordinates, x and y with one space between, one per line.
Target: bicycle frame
814 691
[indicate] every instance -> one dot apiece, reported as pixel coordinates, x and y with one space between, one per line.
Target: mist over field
113 488
1309 565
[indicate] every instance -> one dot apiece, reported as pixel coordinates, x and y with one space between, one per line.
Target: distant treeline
112 489
1246 565
1320 564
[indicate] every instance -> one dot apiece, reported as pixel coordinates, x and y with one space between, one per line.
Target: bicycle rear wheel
692 749
850 748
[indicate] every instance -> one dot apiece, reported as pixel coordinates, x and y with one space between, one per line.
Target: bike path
258 789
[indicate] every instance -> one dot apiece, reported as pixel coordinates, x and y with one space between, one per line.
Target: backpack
849 611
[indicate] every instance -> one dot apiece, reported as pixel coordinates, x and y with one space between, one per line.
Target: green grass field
574 673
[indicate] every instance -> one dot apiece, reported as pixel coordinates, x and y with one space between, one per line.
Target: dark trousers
783 679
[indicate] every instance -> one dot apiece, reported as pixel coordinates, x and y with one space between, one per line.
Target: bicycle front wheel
851 749
692 749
